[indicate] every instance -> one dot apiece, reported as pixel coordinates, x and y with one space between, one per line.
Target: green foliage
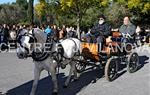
30 11
23 4
79 8
11 14
115 14
142 5
47 11
40 9
90 18
80 13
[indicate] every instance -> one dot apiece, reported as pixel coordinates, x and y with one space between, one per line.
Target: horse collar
40 56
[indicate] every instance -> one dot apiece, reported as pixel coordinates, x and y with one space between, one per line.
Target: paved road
16 79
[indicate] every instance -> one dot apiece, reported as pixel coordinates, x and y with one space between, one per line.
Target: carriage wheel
80 64
111 69
80 67
133 62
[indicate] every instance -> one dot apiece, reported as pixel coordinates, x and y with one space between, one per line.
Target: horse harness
31 40
58 55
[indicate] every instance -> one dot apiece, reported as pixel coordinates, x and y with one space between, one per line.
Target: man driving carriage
99 32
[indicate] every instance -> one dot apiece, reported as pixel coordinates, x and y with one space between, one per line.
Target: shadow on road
121 67
45 85
143 60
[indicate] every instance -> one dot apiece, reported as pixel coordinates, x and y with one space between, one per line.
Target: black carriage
109 56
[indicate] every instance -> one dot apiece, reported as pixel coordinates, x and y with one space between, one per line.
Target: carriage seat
110 45
110 42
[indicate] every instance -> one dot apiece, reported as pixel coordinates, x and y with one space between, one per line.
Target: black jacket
101 30
5 32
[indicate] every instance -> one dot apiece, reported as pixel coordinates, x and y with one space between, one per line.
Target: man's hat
102 16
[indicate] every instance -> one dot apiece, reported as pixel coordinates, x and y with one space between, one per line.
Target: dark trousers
93 39
1 39
4 43
100 40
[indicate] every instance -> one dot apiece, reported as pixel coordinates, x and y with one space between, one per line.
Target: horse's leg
75 73
72 68
54 80
37 72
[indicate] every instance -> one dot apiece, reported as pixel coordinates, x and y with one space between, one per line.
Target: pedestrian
56 32
62 33
0 32
4 37
5 32
48 30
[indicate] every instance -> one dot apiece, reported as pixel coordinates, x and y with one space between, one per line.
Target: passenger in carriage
127 30
99 32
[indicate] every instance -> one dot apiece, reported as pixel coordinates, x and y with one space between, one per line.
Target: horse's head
25 40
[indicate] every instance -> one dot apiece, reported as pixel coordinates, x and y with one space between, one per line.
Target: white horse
48 61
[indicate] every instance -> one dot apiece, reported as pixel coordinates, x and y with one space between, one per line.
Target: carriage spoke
133 61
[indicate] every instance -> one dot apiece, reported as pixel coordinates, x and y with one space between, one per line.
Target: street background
16 79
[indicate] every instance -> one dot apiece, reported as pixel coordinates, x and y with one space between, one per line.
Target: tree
31 11
11 14
141 5
52 11
140 10
90 18
40 10
79 8
115 14
47 11
22 3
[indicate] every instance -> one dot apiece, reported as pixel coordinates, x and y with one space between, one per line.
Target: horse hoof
65 86
55 93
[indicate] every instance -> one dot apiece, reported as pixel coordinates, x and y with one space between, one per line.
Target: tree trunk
31 11
40 20
78 25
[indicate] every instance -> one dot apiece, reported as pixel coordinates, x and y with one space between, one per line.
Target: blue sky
10 1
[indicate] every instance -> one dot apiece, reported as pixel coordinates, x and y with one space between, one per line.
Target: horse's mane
22 31
40 35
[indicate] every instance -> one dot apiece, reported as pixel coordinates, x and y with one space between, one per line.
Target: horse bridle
31 40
